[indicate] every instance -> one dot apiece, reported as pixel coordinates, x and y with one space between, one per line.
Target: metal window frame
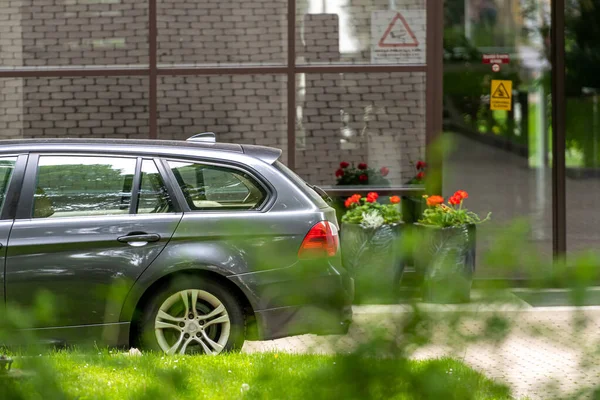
559 104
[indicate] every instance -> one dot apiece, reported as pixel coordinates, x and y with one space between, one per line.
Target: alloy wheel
192 321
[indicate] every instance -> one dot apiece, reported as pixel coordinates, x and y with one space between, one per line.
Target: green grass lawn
76 375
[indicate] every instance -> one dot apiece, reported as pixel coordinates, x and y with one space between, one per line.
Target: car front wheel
197 317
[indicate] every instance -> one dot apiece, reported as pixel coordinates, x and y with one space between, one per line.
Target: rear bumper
290 321
319 305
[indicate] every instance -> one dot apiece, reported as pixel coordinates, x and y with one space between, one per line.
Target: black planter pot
412 209
373 259
446 257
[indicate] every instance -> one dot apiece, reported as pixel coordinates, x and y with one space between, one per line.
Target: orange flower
354 199
462 194
373 195
455 200
394 199
434 201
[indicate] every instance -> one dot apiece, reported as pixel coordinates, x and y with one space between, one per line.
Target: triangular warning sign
398 34
501 93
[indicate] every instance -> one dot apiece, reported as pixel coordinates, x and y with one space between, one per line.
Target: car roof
267 154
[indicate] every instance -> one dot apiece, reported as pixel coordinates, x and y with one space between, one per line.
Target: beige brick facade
378 118
222 32
238 108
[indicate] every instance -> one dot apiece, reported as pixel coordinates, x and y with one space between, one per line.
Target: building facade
361 81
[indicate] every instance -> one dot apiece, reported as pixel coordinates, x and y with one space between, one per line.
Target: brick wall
11 108
85 107
11 33
240 108
222 32
385 111
316 31
84 32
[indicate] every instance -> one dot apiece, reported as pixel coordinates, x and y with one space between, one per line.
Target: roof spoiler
267 154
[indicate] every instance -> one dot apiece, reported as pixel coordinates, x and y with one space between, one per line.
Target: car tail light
321 241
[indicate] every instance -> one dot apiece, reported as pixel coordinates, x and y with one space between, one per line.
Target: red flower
363 178
394 199
462 194
339 173
434 200
344 164
421 175
421 165
362 166
384 171
455 200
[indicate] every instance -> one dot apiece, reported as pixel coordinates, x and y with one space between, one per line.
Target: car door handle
139 238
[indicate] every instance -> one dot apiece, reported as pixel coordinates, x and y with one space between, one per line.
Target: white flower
372 220
134 352
245 387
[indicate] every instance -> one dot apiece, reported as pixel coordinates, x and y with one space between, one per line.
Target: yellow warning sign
501 95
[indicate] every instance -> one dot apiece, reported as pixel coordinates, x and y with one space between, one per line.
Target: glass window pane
73 33
376 119
7 167
69 186
88 107
299 182
582 153
216 32
250 109
501 158
153 196
207 187
365 32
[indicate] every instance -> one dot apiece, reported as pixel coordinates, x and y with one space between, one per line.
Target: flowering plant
368 213
348 174
451 214
421 167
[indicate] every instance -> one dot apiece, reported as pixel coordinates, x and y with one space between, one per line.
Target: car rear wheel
196 317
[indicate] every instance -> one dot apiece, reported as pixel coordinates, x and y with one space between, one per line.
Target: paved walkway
546 352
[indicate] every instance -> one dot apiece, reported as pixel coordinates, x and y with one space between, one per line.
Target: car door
12 169
86 227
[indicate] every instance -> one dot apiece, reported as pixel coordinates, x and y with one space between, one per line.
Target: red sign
496 59
391 34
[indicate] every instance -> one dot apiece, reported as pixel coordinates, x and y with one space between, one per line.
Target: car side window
80 186
209 187
153 195
7 167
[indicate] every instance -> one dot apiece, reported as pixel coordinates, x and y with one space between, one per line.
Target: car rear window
301 184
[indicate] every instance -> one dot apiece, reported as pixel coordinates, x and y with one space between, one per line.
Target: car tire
168 322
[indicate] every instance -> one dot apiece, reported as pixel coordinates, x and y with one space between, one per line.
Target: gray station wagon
181 246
